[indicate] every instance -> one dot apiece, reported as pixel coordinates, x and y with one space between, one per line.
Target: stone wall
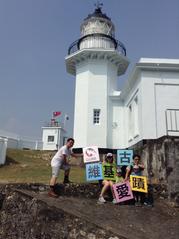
161 159
26 212
23 216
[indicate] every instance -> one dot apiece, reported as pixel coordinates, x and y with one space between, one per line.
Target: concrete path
126 221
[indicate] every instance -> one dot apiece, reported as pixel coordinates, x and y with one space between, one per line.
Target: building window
50 138
96 116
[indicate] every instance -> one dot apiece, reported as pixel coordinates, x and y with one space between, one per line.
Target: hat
109 155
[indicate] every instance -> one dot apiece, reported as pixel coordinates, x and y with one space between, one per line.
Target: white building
147 107
3 148
53 136
151 100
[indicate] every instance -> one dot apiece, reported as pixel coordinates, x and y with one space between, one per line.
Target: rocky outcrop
161 158
28 213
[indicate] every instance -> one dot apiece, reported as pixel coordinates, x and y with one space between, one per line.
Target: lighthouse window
50 138
96 116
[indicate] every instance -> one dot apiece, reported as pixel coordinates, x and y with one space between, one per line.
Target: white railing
97 40
17 142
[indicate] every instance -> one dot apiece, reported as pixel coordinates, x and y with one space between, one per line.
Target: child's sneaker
101 200
114 201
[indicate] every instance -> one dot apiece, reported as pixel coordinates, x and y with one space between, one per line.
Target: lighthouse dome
97 22
97 34
97 31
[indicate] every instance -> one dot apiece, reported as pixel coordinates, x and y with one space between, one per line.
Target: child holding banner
135 170
109 177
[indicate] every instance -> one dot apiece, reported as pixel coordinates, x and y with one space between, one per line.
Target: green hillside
31 166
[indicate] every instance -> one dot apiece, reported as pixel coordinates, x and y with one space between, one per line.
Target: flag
56 113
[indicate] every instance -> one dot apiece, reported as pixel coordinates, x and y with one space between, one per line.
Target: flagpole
64 121
57 145
52 119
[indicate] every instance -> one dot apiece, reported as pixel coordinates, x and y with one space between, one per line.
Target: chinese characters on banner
94 171
122 191
138 183
90 154
124 157
109 171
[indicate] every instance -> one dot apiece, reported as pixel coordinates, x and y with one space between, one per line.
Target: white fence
30 144
17 142
10 140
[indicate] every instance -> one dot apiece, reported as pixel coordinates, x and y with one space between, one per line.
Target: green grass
30 166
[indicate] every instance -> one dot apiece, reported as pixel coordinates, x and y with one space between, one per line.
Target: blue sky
34 39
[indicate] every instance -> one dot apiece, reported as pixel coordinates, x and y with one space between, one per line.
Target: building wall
169 86
160 91
132 127
95 81
113 111
81 102
97 99
156 91
118 129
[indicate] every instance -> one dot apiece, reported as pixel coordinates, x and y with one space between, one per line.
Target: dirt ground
128 221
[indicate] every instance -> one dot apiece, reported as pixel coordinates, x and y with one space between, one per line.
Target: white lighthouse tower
97 59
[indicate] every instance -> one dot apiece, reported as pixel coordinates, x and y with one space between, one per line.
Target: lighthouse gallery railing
97 40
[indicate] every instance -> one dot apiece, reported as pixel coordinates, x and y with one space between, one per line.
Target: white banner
90 154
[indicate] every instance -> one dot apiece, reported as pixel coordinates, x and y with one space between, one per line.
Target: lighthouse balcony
97 40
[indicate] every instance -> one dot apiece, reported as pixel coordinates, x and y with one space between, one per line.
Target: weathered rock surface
31 214
161 159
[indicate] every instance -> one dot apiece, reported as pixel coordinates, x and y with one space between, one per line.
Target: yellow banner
138 183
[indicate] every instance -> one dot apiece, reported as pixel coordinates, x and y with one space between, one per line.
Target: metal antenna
98 4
